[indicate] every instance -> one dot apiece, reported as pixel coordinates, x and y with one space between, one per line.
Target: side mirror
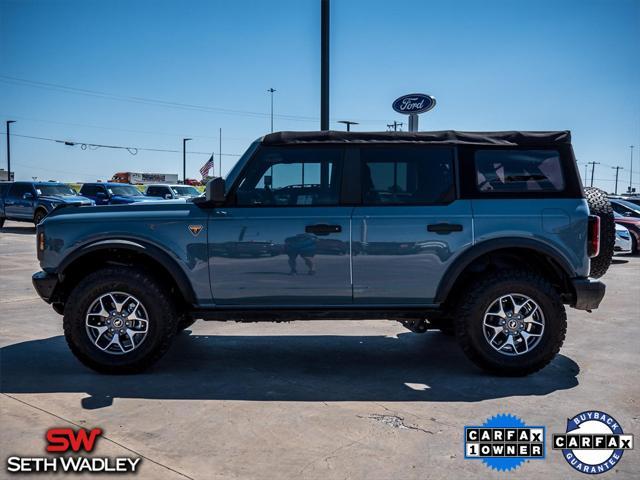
167 196
101 195
215 190
27 196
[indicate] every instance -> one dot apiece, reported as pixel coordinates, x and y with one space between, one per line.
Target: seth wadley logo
65 440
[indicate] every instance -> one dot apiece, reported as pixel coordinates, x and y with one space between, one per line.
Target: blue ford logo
414 103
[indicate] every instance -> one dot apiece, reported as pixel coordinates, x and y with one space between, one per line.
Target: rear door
16 206
410 225
284 238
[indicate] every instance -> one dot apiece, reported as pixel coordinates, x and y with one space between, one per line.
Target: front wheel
119 320
39 216
511 323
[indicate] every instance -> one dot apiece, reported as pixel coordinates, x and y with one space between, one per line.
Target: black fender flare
487 246
155 253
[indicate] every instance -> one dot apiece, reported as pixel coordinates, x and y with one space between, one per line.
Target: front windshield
187 191
56 189
126 190
237 168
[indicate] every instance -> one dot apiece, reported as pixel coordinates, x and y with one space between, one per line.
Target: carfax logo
593 443
504 442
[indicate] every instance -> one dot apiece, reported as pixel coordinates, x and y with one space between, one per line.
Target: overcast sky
148 73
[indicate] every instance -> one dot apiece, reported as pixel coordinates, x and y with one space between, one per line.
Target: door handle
444 228
323 229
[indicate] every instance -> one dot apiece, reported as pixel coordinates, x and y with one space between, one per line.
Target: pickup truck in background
32 201
137 178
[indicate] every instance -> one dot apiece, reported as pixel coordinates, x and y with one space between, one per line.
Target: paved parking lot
327 400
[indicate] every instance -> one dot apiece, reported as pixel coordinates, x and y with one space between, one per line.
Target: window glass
518 171
89 190
126 190
60 189
406 175
19 189
292 176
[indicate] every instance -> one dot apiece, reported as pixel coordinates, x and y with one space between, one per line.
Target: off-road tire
161 311
480 295
39 216
599 205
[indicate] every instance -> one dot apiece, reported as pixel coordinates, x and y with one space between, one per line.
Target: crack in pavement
103 436
394 421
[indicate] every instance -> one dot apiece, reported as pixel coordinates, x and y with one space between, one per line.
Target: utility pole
630 169
394 125
593 168
348 123
617 169
271 90
220 153
9 122
324 64
184 160
586 175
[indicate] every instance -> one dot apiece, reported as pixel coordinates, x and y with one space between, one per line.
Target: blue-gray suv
483 235
32 201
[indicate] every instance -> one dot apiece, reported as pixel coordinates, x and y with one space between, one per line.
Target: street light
630 170
271 90
9 122
348 123
184 160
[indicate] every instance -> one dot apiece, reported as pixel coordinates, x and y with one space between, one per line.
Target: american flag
204 170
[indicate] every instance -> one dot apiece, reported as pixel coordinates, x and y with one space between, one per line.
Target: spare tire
599 205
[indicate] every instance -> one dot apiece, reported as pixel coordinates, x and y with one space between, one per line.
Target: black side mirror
27 196
215 190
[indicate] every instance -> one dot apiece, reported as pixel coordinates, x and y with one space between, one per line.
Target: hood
133 199
73 199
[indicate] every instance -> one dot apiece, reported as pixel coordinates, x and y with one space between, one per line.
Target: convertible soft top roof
443 137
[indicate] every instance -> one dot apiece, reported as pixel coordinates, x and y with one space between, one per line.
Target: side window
154 191
506 171
19 189
292 176
407 175
88 190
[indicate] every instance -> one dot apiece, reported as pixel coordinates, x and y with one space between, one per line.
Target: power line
131 150
152 101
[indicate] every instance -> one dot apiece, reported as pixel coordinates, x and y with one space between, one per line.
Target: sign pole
413 122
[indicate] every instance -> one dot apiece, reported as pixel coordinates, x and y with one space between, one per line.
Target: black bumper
45 284
588 293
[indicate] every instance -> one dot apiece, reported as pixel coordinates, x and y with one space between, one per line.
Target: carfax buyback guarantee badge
504 442
593 442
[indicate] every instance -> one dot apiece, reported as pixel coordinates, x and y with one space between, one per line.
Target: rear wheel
511 323
599 205
119 320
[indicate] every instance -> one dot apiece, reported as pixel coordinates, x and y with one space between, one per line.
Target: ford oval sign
414 103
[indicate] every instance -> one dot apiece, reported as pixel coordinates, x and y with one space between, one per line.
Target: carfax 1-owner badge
593 442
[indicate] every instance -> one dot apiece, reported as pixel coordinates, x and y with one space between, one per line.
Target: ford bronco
483 235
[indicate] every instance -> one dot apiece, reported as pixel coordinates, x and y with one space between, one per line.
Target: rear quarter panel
560 223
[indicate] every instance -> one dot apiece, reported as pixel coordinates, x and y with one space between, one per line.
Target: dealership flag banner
204 170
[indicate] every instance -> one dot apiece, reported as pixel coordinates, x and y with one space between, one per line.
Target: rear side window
88 190
407 175
19 189
516 171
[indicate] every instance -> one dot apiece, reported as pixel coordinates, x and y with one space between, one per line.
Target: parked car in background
625 208
192 182
633 225
114 193
32 201
172 191
623 240
137 178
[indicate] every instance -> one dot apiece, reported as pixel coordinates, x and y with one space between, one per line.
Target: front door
410 225
284 238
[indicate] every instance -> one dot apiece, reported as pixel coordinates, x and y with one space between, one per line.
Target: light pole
9 122
271 90
184 160
324 64
348 123
630 169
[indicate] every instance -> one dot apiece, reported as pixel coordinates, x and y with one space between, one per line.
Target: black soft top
442 137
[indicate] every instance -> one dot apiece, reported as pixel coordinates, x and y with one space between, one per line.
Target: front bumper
45 284
588 293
